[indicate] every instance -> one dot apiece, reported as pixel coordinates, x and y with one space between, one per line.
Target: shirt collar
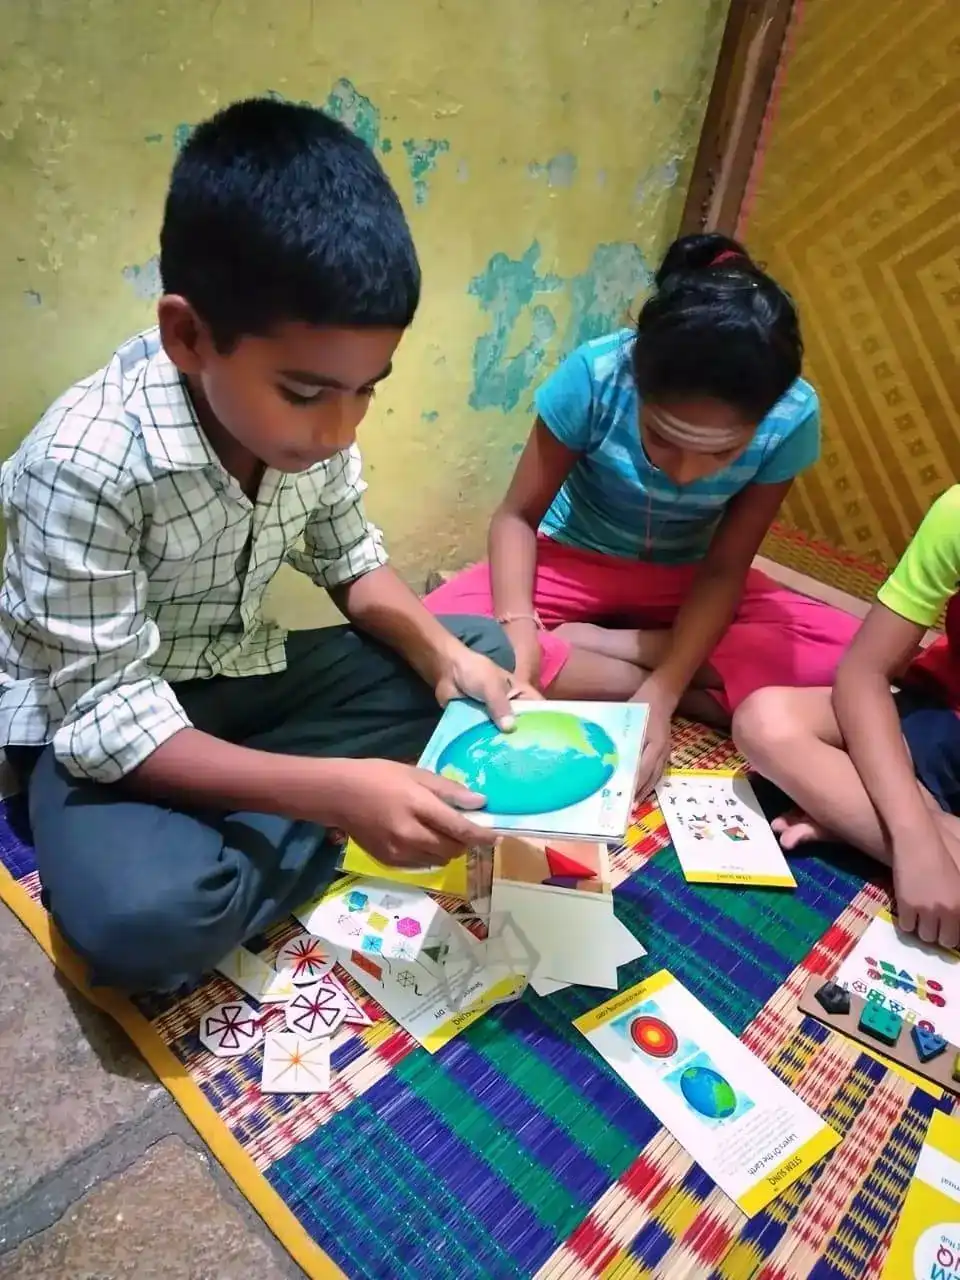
160 401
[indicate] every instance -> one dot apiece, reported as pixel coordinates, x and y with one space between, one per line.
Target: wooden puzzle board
938 1070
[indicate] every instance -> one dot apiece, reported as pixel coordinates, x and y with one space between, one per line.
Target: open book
568 769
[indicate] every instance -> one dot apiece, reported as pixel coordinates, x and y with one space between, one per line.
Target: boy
877 770
184 757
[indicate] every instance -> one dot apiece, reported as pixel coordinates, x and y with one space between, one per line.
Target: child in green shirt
877 769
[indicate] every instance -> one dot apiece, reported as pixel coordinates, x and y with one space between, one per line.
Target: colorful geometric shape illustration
653 1036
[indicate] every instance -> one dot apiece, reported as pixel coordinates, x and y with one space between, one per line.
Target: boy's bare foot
795 828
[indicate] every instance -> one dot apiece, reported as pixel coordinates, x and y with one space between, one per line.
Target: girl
620 558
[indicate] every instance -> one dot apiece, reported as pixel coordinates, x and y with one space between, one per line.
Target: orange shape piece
561 864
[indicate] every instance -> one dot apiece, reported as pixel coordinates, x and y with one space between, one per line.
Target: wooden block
880 1023
834 998
927 1043
942 1070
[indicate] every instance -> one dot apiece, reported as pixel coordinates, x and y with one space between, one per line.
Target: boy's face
293 398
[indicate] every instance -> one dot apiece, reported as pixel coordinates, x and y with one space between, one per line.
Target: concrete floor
101 1177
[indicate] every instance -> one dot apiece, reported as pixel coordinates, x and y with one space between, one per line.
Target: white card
356 1014
734 1117
625 948
443 991
230 1029
718 830
292 1064
570 934
374 918
251 974
919 982
316 1011
305 959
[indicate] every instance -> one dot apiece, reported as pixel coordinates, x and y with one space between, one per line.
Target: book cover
926 1243
568 769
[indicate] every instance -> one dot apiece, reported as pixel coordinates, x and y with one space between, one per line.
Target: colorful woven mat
515 1151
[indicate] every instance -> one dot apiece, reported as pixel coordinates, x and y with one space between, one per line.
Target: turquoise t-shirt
615 500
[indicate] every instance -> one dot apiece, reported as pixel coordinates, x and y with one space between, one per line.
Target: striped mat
515 1151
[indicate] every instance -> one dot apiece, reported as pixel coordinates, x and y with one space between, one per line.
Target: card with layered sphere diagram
567 770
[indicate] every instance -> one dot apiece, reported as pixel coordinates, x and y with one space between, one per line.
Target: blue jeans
932 734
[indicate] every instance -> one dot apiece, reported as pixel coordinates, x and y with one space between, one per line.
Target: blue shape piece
880 1023
373 944
356 901
927 1043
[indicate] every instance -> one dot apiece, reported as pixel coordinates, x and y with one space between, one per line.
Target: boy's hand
927 886
466 674
408 817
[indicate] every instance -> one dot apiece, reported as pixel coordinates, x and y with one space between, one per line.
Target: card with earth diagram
567 769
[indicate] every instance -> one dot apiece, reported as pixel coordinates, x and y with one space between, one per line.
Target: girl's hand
656 747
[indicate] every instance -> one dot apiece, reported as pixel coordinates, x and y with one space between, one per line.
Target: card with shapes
376 919
718 830
294 1064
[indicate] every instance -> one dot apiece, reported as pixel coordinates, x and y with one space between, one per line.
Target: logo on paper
937 1253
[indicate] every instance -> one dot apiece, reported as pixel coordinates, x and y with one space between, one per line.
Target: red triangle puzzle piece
561 864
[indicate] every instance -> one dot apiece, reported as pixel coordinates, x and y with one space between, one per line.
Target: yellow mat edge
174 1077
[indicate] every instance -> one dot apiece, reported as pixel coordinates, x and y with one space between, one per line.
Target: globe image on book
708 1093
551 760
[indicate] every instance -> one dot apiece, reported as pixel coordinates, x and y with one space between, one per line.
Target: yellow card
450 879
926 1245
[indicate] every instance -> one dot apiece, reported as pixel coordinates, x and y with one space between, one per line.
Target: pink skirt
776 638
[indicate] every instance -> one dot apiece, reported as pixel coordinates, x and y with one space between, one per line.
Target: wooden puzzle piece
834 998
883 1024
927 1043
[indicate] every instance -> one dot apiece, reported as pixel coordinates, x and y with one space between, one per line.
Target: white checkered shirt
134 559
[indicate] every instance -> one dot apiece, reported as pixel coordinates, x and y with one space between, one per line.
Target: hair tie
728 255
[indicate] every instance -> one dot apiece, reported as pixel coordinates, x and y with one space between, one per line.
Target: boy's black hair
717 326
276 212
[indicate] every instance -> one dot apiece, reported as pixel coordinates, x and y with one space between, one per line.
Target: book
926 1242
568 769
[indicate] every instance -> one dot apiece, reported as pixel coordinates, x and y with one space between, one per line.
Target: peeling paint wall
541 153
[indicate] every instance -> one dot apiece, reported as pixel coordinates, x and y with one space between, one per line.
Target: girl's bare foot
795 828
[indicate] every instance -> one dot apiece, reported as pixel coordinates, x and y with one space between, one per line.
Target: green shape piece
955 1073
880 1023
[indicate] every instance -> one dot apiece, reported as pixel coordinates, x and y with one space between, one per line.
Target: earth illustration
708 1093
551 760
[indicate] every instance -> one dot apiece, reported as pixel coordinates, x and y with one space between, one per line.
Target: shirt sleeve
84 603
798 451
565 402
928 573
340 543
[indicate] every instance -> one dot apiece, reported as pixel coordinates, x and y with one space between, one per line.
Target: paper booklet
568 769
719 831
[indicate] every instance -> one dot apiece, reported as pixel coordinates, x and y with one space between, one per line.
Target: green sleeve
929 572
